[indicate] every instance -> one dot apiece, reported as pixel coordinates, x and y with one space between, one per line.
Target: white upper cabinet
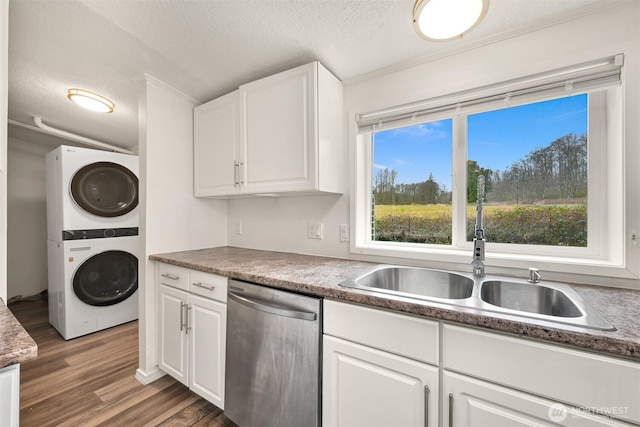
216 148
278 135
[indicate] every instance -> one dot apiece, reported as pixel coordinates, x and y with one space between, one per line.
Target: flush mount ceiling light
439 20
90 101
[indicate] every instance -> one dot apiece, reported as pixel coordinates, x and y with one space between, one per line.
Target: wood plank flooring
89 381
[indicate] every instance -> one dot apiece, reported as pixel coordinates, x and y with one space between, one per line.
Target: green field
555 225
436 211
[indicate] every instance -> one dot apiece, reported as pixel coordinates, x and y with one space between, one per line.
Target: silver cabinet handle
280 311
170 276
450 409
188 328
200 285
236 173
426 406
182 306
240 173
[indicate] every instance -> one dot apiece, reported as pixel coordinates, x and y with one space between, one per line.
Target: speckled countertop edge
16 345
320 276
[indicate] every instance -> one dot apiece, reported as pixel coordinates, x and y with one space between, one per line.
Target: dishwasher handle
280 311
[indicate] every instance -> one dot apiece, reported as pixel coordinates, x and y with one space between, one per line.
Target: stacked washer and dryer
92 247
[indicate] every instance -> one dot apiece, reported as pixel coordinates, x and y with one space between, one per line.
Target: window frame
605 252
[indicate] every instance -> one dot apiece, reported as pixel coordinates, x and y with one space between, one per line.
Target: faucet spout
478 241
478 268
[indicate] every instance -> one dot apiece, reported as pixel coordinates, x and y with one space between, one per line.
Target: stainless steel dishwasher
273 357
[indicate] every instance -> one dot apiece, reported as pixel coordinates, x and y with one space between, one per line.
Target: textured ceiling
206 48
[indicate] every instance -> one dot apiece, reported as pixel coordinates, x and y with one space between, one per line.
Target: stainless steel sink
414 282
546 303
551 302
527 297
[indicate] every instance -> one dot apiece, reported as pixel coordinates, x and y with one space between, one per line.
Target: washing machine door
105 189
106 278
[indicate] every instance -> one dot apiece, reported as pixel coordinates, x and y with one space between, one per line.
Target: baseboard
149 377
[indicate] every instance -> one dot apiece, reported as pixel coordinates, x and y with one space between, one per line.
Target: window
547 147
411 185
534 160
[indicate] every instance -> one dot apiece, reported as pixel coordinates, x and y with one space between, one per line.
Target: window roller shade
574 80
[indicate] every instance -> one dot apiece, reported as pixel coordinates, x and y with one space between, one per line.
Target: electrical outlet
315 230
238 227
344 232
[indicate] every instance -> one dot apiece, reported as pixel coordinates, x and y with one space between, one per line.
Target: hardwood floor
89 381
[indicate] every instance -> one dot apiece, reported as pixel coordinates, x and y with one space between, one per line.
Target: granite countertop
321 276
16 345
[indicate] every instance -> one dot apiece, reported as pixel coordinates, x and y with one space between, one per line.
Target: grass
434 211
557 225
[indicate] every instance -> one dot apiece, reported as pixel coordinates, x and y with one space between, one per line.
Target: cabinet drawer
577 377
208 285
408 336
174 276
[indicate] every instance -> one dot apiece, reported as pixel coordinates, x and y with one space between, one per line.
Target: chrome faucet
478 241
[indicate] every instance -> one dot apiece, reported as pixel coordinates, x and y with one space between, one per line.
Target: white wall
281 224
171 219
4 96
26 218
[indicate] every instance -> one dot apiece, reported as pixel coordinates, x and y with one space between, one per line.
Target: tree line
557 171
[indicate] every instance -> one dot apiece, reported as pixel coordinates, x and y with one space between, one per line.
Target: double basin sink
548 302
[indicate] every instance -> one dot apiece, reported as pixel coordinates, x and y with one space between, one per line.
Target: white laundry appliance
93 284
92 239
90 190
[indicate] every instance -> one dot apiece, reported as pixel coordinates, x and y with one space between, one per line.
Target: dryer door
105 189
106 278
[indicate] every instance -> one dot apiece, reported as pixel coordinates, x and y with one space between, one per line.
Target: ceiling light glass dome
439 20
90 101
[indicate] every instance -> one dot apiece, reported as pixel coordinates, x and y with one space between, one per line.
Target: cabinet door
367 387
216 138
539 368
208 321
10 396
173 339
469 402
278 131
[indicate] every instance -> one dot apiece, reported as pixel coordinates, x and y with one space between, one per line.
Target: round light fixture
90 101
439 20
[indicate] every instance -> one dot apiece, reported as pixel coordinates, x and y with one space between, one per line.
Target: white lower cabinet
366 387
372 378
207 344
10 396
586 383
470 402
193 330
174 341
383 368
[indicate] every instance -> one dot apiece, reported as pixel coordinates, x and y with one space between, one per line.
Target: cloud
379 166
402 162
425 131
564 116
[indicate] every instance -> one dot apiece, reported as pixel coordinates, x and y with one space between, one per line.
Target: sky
496 139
